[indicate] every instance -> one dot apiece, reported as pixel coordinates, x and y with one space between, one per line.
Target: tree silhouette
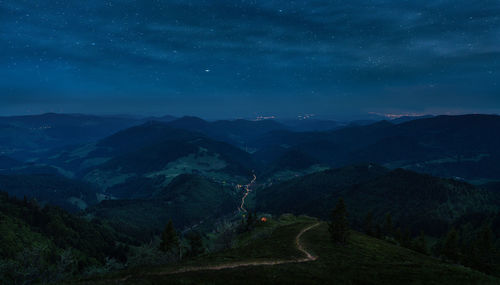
378 231
195 244
388 228
169 238
451 247
339 225
406 238
368 224
250 222
420 245
483 250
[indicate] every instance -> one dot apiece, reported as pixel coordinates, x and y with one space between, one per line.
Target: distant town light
261 118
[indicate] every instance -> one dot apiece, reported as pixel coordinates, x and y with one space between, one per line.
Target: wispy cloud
286 48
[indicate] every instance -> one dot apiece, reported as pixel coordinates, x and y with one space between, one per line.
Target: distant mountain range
138 161
70 194
449 146
22 136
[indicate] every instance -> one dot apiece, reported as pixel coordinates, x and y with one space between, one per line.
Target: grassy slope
363 261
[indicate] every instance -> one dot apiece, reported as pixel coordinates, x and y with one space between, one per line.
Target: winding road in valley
248 189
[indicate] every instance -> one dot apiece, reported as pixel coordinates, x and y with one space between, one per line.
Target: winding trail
308 258
298 244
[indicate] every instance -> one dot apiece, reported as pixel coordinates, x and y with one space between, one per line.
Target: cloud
283 48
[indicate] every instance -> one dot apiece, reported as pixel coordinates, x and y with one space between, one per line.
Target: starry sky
241 58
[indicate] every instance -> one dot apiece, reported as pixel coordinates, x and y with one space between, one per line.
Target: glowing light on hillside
247 191
306 116
397 116
262 118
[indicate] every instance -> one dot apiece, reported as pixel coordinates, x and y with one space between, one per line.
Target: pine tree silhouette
169 238
339 225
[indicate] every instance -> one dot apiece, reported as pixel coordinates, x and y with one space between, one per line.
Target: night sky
239 58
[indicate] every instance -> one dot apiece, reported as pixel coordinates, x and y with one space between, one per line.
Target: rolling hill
70 194
189 200
312 125
416 201
152 152
27 136
447 146
237 132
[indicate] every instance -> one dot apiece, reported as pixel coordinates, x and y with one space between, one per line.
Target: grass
364 260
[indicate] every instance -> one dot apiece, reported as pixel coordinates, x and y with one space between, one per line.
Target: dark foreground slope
46 244
364 260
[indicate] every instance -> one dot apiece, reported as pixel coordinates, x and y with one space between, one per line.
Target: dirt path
308 257
298 244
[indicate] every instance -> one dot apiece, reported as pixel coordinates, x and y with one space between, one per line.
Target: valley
226 203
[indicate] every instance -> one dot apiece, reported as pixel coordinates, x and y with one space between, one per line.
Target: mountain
190 123
293 160
188 200
122 186
447 146
57 190
150 156
141 136
312 125
164 119
417 201
10 166
405 119
236 132
25 136
168 159
286 164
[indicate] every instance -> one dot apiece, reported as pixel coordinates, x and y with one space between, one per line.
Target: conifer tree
169 238
368 224
406 238
339 225
398 236
388 228
250 222
450 248
483 249
195 244
378 231
420 244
